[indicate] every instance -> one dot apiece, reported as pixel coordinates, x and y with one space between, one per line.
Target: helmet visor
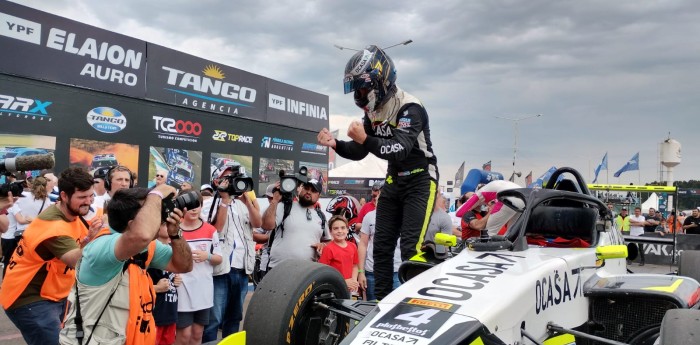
353 83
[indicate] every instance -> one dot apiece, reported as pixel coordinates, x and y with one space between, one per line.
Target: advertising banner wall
192 82
29 107
49 47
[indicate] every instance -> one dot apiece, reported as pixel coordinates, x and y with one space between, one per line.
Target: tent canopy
369 167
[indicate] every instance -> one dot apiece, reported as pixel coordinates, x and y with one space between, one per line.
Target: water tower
670 157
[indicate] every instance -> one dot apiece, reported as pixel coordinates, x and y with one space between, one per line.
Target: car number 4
417 318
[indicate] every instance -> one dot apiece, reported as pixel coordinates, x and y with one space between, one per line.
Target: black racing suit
398 132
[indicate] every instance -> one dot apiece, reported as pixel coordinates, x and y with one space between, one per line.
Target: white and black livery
558 276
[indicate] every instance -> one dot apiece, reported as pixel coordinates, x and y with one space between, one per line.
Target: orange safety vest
25 262
140 327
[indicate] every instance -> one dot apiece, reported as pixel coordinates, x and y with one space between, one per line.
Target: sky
607 76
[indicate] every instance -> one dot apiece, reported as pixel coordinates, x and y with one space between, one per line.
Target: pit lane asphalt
10 335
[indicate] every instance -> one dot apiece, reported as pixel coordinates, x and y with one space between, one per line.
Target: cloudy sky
608 76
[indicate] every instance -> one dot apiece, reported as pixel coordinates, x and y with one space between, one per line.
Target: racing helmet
344 205
373 70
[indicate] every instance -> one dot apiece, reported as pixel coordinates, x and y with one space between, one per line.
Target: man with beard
40 274
301 235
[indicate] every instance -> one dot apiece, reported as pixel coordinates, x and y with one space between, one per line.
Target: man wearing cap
622 221
301 235
369 206
234 217
98 179
691 224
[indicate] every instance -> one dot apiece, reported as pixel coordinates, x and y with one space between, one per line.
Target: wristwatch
177 236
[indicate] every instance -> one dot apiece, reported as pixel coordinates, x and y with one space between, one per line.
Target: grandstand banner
150 135
49 47
192 82
295 107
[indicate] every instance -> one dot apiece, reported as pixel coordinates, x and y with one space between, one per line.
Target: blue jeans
227 313
39 322
370 284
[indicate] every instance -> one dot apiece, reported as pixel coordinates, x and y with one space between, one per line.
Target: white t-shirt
30 207
302 228
368 228
636 230
12 227
197 289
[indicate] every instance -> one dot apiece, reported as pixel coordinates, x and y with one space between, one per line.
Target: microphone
27 163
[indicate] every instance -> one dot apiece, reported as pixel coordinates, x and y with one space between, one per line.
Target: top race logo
177 129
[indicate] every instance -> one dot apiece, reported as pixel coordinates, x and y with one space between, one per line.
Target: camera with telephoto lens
188 201
289 183
16 188
238 182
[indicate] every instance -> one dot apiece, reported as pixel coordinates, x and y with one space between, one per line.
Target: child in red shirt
340 254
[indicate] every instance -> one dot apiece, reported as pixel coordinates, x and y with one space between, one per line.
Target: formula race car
557 276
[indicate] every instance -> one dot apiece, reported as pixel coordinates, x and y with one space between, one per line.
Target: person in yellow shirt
622 221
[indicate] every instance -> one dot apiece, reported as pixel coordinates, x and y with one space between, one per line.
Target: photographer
40 275
300 234
235 213
112 285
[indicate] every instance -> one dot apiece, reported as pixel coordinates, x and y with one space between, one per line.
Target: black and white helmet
373 70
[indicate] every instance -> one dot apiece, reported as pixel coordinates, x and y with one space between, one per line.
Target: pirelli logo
430 304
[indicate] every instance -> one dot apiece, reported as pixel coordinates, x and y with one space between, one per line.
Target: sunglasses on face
160 175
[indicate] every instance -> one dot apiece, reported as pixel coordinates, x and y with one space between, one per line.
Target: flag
486 166
602 166
459 176
544 178
632 164
528 179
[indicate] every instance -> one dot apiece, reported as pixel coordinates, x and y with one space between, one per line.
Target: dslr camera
187 200
238 182
289 183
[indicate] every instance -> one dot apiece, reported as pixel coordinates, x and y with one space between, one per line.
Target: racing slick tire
689 264
283 309
680 327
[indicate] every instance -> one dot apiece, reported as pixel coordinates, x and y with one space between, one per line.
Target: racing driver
395 127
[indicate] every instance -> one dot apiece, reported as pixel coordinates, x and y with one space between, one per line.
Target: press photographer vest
122 308
25 262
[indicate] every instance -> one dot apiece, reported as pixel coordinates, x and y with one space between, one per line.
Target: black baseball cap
316 184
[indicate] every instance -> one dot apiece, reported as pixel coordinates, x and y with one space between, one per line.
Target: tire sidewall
284 297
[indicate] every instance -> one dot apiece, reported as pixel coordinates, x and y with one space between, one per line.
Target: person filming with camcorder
112 286
235 213
298 226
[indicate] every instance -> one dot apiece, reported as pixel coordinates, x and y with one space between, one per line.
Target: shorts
165 335
187 318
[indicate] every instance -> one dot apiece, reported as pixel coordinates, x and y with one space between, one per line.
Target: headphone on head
108 176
